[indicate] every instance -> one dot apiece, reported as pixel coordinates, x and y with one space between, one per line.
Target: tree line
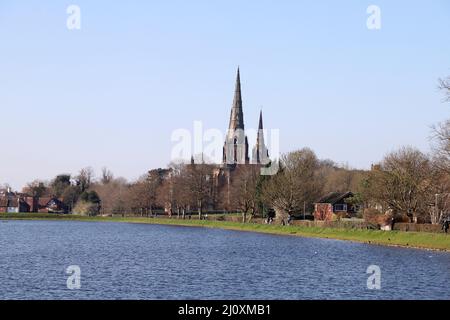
406 182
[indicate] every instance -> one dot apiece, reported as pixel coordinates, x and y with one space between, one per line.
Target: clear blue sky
112 93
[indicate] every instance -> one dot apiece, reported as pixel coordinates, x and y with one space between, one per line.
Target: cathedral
235 159
236 151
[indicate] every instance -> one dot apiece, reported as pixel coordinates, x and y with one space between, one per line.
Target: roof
3 202
334 197
11 202
44 201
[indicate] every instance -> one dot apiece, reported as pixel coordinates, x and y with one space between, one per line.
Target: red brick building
334 204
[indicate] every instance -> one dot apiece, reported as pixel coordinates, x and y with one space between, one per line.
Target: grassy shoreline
419 240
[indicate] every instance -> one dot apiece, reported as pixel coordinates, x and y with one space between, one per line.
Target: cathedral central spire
236 144
237 114
260 126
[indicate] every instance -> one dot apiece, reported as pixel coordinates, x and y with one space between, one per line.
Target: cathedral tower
235 150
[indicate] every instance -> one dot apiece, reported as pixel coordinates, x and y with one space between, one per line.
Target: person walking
289 219
445 226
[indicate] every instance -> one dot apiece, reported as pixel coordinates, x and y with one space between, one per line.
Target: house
13 203
51 205
33 203
45 204
335 204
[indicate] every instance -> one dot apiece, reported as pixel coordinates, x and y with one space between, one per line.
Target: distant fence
339 224
414 227
342 224
234 218
411 227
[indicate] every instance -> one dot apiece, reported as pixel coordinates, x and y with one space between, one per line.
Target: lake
140 261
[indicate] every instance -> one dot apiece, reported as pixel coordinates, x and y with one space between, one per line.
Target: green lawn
438 241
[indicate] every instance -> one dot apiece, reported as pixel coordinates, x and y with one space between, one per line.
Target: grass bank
422 240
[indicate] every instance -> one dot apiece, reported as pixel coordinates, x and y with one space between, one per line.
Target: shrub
338 216
376 218
401 218
359 214
84 208
423 219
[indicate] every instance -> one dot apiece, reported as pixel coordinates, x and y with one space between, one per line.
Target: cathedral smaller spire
260 152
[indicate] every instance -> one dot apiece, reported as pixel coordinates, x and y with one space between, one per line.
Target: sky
112 93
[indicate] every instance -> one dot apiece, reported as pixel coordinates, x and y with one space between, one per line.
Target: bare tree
36 188
165 196
85 178
441 133
441 147
107 176
441 193
199 178
440 189
341 179
297 183
4 187
404 181
140 198
116 196
243 192
444 85
145 191
180 190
